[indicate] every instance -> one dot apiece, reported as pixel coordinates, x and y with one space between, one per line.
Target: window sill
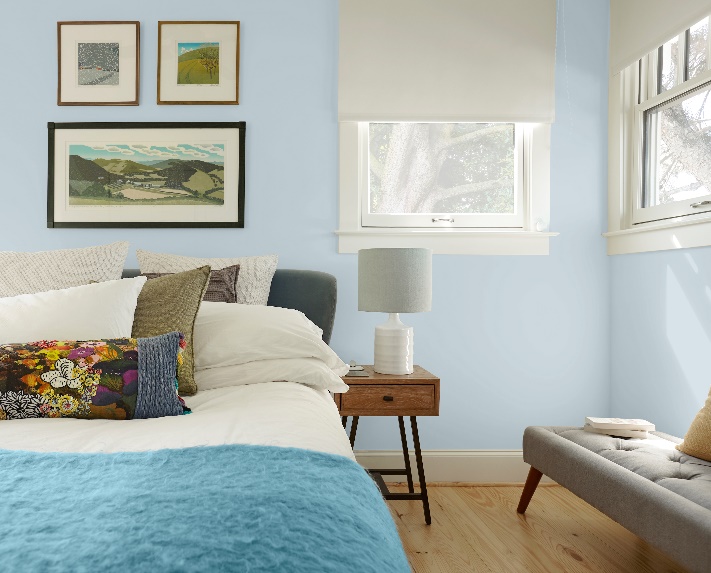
448 241
660 236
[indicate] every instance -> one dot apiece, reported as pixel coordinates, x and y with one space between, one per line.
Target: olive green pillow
169 304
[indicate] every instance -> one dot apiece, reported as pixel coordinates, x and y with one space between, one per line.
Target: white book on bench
620 424
639 434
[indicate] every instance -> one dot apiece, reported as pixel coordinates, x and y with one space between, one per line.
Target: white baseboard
471 466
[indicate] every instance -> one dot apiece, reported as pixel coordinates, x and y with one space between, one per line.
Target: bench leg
534 476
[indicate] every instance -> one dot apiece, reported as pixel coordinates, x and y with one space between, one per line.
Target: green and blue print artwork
147 174
198 63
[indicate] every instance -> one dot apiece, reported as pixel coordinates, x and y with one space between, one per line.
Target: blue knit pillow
119 379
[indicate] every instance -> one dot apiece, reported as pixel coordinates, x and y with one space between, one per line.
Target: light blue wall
516 340
661 336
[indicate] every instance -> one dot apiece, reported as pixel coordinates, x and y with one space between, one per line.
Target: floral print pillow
115 379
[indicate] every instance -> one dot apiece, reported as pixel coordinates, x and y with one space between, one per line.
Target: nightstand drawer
399 400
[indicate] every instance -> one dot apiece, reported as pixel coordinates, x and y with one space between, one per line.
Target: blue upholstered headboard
311 292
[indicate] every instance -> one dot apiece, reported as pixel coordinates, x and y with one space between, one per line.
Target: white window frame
449 220
675 209
531 237
631 228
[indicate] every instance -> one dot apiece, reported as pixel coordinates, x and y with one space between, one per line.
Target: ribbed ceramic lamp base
393 347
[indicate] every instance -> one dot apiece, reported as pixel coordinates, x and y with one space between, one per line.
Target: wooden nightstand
412 395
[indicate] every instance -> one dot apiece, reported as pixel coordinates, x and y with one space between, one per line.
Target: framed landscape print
146 174
198 63
98 63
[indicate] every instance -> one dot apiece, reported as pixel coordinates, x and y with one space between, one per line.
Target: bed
259 477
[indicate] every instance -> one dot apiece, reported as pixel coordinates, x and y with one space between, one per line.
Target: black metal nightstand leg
406 454
344 420
354 429
420 469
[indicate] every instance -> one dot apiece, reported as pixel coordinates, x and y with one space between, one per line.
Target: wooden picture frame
98 63
152 175
198 63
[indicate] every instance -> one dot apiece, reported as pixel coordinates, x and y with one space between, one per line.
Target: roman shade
447 60
639 26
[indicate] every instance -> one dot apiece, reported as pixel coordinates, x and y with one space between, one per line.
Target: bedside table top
419 376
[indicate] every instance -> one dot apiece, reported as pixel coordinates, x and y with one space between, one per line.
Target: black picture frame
59 185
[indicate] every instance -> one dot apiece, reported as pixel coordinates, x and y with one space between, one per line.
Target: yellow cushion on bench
697 441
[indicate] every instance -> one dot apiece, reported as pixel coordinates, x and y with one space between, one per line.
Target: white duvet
272 413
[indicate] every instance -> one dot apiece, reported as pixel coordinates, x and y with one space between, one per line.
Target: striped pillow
221 286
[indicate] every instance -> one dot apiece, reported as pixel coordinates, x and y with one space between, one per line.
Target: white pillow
308 371
89 312
229 334
23 273
253 282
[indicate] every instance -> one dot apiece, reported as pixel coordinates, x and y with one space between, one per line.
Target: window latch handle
442 220
697 205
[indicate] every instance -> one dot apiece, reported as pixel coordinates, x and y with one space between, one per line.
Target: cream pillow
697 442
307 371
230 334
253 282
90 312
24 273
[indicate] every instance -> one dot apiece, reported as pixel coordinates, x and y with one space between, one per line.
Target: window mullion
363 171
522 188
682 57
653 75
649 162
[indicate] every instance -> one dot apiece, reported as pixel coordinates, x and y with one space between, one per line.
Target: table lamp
394 281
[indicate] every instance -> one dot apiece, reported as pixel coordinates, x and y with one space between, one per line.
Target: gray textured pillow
255 273
168 304
29 273
220 288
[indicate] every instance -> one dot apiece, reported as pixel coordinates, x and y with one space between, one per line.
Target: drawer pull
388 398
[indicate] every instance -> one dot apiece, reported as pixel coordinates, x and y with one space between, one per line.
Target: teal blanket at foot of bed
223 508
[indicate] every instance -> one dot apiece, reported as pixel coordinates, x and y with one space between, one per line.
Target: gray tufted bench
648 486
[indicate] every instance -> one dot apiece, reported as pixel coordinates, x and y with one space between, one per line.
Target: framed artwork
198 63
146 174
98 63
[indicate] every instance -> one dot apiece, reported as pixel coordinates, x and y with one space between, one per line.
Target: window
676 171
660 147
674 129
444 175
440 145
458 188
670 63
698 57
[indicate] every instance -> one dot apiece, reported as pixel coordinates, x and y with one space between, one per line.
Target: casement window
660 130
431 156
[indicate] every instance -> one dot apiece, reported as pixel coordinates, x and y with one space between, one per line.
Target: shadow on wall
664 340
688 314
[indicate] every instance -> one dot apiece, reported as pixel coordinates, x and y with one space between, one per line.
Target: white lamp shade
395 280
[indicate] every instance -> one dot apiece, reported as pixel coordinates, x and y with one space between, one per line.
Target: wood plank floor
476 528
